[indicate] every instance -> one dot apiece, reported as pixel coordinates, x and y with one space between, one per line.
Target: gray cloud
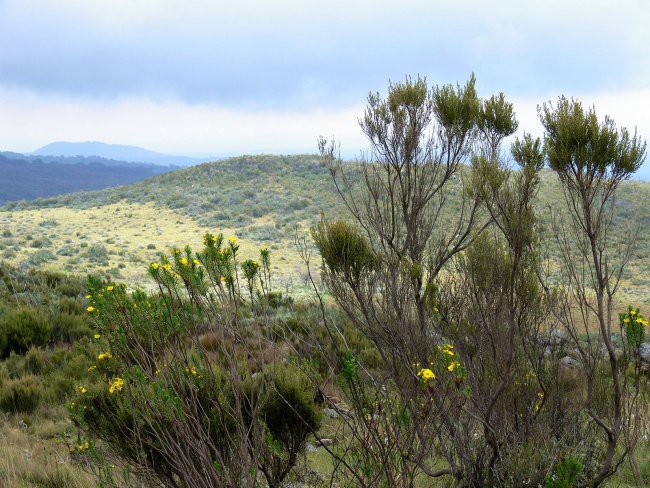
311 54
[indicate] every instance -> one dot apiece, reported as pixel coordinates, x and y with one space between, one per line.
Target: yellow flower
641 321
232 240
167 266
89 296
116 385
97 336
90 309
154 266
109 288
177 251
626 320
446 349
632 312
453 366
426 374
104 355
196 262
82 389
183 261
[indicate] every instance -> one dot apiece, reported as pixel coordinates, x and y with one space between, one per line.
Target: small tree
415 216
592 159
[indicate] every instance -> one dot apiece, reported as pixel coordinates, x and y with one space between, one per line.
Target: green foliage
21 395
576 142
344 250
158 386
633 324
288 414
566 474
23 328
69 327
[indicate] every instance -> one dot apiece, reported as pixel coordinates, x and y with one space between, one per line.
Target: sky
222 78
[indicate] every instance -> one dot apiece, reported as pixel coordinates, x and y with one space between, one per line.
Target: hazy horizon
219 79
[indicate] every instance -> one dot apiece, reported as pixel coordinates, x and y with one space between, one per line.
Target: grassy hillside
261 199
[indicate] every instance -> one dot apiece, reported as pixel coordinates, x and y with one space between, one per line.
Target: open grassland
120 240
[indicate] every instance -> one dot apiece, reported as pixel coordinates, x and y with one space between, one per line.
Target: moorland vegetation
443 337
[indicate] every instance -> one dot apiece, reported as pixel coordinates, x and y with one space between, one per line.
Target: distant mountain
25 177
115 151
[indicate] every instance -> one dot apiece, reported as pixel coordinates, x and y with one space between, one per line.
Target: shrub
23 328
20 395
68 328
289 414
344 250
35 361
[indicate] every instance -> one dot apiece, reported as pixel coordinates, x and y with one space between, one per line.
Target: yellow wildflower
116 385
90 309
232 240
626 320
154 266
452 366
97 336
183 261
426 374
89 296
167 266
196 262
82 389
109 288
104 355
632 312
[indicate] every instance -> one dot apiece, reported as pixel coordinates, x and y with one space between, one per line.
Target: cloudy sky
213 77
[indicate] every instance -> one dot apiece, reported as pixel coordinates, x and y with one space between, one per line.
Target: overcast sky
210 77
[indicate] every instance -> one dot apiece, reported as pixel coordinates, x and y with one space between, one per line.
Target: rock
331 413
326 442
644 352
310 447
569 362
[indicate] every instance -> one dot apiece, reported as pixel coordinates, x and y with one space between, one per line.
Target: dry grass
132 235
35 455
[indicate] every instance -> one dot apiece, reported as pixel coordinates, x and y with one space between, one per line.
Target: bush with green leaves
21 395
23 328
176 412
456 297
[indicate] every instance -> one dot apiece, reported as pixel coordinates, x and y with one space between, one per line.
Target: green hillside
260 198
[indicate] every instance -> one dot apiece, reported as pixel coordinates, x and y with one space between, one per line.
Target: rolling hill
29 177
261 199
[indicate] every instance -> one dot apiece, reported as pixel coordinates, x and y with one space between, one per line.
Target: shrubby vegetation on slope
445 340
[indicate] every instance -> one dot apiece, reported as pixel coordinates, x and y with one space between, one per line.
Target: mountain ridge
123 152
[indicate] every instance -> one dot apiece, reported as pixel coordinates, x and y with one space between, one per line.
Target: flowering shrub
169 408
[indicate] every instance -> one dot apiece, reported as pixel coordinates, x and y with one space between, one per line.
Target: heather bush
185 392
21 395
23 328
